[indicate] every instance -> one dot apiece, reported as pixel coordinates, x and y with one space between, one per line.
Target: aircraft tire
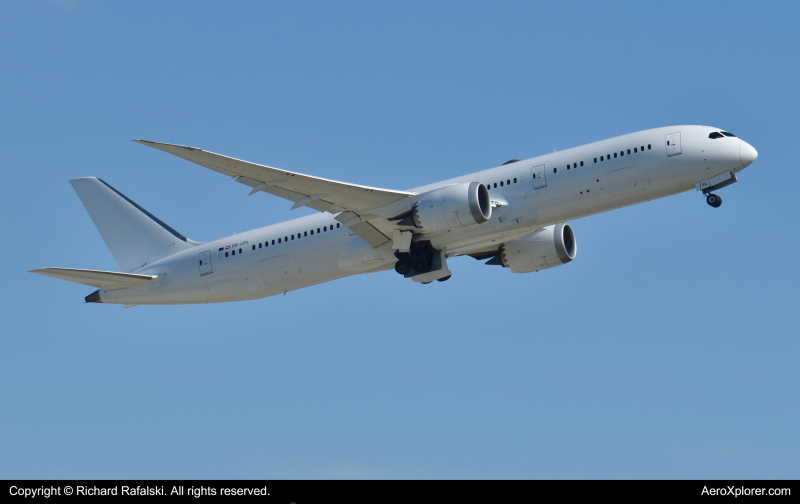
421 264
402 267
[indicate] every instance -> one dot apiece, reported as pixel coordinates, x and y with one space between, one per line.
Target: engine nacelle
453 207
550 247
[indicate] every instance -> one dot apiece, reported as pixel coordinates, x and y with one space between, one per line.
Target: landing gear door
673 144
205 262
539 176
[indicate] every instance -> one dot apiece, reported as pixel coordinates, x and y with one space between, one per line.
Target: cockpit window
715 135
728 134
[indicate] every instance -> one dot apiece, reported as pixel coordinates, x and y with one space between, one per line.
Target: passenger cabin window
629 151
649 146
634 149
515 180
641 148
226 254
555 170
254 247
728 134
240 251
615 154
233 252
279 240
259 245
595 160
601 158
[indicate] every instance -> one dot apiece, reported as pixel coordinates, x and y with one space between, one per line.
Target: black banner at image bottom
302 491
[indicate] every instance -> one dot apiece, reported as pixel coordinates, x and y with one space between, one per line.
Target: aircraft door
204 259
539 176
673 144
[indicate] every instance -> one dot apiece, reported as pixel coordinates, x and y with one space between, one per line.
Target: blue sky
667 349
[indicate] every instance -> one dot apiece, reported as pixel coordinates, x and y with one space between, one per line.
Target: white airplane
513 215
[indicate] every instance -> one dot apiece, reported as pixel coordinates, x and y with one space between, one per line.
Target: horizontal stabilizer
108 280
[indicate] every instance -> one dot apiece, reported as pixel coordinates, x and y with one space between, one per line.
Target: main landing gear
420 258
714 200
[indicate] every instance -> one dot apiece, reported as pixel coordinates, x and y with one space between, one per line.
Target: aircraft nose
747 153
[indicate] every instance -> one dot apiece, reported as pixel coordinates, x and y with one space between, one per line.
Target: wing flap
108 280
368 232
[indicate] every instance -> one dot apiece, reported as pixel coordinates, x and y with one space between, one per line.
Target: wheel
714 200
444 279
421 264
402 267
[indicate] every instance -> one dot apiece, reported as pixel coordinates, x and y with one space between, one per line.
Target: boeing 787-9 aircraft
511 216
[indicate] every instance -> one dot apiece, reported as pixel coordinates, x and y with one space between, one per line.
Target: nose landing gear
714 200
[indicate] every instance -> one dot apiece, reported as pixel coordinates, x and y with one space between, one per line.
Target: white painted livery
513 215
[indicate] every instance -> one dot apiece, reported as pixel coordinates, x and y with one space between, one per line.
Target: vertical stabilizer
134 236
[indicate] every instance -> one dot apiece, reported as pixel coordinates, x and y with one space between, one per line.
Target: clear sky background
667 349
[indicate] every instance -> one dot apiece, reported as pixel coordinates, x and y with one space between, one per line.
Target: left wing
351 201
304 190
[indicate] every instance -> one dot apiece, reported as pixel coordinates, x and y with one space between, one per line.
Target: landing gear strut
714 200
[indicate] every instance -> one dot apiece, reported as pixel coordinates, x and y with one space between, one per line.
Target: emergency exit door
539 176
673 144
205 262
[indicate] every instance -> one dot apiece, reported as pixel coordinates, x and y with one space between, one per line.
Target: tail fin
134 236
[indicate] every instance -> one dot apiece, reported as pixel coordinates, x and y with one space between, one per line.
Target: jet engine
453 207
547 248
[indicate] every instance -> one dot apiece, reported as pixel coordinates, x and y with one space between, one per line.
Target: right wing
108 280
